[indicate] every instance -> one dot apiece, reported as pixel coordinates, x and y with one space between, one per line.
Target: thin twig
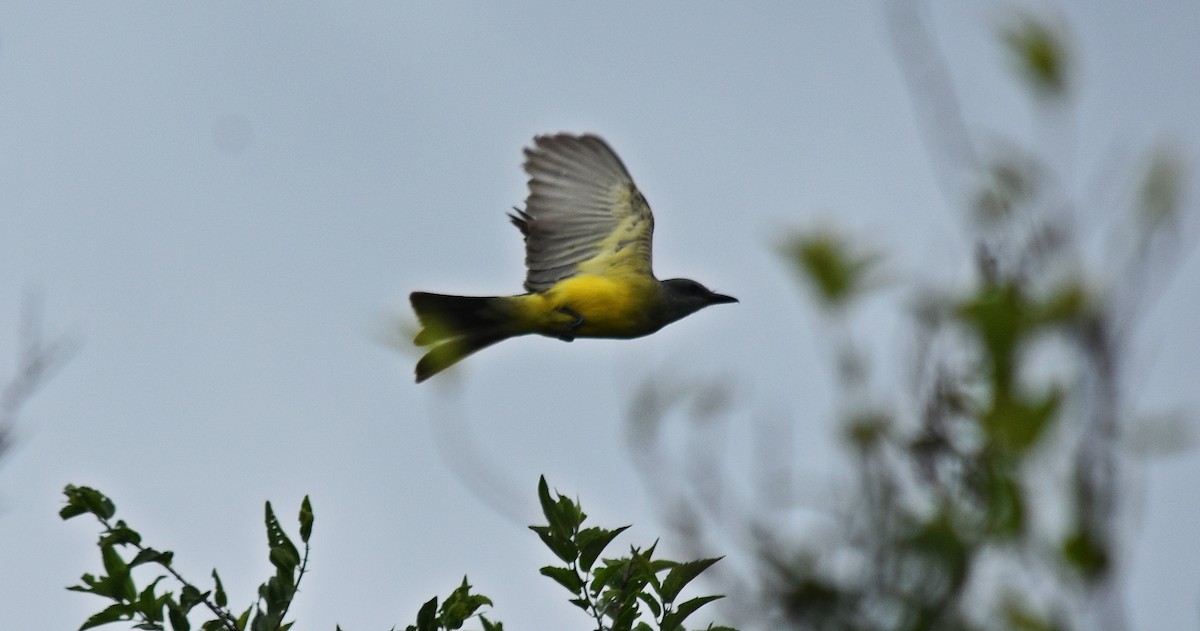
221 613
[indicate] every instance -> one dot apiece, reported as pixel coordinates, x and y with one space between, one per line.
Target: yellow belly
621 306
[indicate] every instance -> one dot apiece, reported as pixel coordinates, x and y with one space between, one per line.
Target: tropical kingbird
588 234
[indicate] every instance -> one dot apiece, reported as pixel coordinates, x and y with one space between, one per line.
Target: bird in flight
588 233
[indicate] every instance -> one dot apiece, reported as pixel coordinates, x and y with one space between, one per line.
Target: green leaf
1006 506
827 262
563 515
285 559
564 576
189 597
681 575
277 592
609 575
645 570
562 546
149 605
92 585
120 535
306 519
998 315
1067 304
1002 317
118 575
867 428
1020 618
544 533
150 555
72 510
1085 554
178 618
284 555
488 625
938 541
592 542
1015 423
461 605
548 506
263 621
427 616
652 603
113 613
674 620
1039 54
626 615
82 499
219 591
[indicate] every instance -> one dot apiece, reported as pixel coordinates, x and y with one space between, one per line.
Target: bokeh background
226 204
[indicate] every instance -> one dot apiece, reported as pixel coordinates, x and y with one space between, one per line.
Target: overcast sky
227 204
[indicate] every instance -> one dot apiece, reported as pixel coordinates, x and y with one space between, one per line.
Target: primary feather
583 214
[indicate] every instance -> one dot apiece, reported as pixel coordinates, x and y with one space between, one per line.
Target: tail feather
450 352
455 326
444 317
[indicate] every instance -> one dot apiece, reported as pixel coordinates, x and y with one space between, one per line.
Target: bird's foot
567 334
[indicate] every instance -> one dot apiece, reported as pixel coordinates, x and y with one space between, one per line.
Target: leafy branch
614 592
459 606
146 606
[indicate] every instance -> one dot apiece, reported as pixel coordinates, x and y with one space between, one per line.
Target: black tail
457 326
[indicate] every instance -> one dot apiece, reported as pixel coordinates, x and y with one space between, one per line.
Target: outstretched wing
584 214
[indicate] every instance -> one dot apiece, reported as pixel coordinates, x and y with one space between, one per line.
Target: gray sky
229 202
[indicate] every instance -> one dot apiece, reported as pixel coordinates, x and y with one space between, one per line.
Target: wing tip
566 136
567 141
586 156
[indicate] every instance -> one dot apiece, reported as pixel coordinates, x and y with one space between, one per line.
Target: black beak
720 299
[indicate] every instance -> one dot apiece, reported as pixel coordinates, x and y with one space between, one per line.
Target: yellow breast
620 306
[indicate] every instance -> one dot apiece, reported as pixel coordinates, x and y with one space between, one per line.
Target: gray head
683 297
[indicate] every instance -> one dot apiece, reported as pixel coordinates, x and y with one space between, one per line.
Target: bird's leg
567 334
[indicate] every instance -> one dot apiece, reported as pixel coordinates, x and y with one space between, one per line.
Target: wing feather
583 213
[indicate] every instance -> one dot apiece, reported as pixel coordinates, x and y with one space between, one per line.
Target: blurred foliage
1039 54
37 361
1009 181
1162 189
826 260
987 495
